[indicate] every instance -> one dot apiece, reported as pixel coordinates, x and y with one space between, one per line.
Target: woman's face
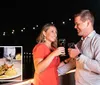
51 34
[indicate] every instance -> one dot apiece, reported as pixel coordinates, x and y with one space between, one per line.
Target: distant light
69 19
33 28
51 22
4 33
63 22
21 30
12 32
37 26
30 53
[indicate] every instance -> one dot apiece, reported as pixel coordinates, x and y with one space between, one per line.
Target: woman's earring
44 39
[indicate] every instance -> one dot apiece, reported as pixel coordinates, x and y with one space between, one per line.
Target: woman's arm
41 64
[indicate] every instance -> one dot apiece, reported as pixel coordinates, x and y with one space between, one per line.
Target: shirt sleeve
66 67
38 51
94 63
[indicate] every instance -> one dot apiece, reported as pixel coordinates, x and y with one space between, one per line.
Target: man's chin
79 34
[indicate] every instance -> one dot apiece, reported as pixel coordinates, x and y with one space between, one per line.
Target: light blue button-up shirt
88 64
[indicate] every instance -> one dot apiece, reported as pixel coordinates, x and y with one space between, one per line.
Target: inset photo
11 63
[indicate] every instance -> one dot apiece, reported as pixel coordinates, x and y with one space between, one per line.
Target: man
86 52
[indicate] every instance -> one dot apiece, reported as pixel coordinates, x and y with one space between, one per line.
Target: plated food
7 71
18 56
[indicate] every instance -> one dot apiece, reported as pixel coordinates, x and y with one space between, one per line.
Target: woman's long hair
41 37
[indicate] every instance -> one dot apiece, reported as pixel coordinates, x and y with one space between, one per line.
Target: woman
45 56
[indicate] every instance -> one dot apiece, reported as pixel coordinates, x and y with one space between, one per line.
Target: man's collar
90 35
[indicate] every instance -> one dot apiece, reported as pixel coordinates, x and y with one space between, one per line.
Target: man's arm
62 69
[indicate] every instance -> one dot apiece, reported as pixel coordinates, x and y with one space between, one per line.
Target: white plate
18 74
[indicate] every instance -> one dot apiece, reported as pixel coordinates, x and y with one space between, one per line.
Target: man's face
80 26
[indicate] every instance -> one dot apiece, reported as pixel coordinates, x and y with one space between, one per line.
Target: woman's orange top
50 75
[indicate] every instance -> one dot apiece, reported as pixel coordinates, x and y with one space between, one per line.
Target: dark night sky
19 14
36 12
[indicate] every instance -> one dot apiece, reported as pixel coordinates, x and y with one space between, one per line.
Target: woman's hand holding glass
62 43
59 51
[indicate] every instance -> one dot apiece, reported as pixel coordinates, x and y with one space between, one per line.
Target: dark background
16 15
19 14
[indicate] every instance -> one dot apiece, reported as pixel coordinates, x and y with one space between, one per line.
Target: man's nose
75 26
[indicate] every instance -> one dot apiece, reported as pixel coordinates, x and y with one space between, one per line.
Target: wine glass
10 53
12 57
62 43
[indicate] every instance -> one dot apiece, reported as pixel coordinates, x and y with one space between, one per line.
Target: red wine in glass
62 43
